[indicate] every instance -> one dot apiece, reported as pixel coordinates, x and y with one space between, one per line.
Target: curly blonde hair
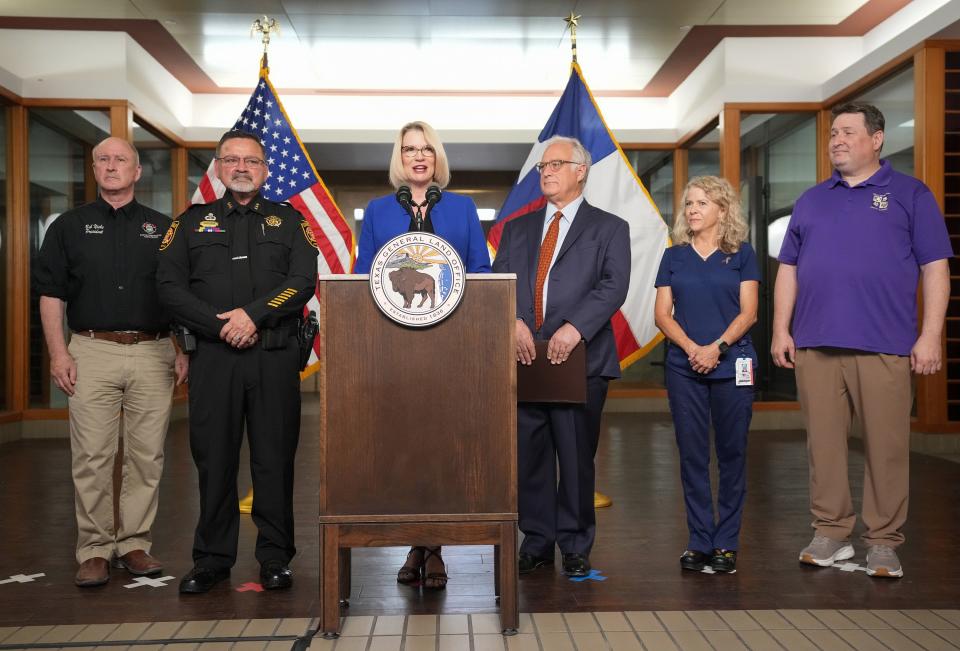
732 228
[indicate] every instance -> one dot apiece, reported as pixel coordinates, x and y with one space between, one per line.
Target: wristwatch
722 345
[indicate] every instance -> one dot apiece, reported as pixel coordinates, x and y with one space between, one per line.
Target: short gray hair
580 153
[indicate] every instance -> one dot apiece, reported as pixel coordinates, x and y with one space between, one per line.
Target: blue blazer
454 219
588 281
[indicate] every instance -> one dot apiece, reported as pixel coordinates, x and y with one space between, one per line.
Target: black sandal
434 580
410 573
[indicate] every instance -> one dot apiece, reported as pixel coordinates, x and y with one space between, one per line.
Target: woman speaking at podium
418 171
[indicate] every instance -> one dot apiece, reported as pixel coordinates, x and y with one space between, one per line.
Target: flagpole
572 21
265 27
600 500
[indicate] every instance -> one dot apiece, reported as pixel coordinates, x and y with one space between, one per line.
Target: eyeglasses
249 161
411 152
555 165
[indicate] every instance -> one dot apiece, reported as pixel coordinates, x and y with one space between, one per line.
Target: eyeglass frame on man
555 165
233 161
427 151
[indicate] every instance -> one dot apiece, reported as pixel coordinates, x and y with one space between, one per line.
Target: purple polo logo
880 202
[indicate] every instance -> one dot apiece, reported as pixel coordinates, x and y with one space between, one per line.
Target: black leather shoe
275 575
724 560
576 565
527 563
694 560
201 579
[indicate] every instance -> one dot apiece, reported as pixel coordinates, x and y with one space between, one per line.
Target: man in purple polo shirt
856 246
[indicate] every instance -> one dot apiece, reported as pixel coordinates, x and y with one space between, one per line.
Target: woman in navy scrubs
419 161
707 292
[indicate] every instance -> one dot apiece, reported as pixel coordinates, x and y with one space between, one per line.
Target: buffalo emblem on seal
409 283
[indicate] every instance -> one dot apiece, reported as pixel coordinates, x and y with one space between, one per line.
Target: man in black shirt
237 272
98 263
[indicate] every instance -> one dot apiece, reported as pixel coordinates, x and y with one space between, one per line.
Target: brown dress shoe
138 562
93 572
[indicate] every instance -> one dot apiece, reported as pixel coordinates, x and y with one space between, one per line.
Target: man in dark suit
572 262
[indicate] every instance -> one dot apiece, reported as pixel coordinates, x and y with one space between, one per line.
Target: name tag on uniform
744 372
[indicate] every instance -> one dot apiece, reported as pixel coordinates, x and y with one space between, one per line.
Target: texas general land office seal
417 279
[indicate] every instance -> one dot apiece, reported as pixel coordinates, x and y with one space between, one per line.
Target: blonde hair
441 167
731 229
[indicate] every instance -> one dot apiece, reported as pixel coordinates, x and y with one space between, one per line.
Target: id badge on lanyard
744 372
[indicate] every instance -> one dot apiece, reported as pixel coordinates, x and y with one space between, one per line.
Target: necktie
543 265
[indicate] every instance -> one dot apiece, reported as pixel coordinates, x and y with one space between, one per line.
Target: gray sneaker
825 551
882 561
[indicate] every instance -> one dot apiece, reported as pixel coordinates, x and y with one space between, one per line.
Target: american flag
292 178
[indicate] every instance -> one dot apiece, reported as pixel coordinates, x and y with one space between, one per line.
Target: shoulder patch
171 233
308 233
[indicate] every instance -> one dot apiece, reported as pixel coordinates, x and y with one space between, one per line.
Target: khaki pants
833 386
137 382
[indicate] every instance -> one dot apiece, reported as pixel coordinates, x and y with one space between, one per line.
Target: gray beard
239 185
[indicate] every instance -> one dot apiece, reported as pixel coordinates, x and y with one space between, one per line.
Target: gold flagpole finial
572 21
265 27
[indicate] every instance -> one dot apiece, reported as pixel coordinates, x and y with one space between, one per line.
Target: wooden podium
418 432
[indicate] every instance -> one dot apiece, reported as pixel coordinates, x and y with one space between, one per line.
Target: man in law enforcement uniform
98 263
237 273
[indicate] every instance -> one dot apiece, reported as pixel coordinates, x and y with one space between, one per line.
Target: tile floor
722 630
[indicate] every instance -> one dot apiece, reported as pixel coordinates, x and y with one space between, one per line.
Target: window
894 98
778 162
155 187
61 177
703 157
654 167
198 160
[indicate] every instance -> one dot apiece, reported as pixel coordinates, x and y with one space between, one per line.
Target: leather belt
126 337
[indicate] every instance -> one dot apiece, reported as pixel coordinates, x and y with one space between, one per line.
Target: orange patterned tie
543 265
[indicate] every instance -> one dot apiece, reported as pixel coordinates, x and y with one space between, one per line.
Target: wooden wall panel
18 258
730 145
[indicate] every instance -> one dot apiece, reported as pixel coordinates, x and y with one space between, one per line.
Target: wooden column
730 145
824 168
928 153
18 258
121 120
680 172
178 172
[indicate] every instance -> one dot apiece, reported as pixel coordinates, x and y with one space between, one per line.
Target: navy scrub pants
695 402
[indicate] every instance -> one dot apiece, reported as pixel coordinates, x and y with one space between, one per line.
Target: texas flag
612 185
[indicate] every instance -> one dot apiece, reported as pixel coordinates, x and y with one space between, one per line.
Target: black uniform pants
556 444
231 388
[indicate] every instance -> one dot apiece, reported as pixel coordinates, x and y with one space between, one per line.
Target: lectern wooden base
338 536
418 432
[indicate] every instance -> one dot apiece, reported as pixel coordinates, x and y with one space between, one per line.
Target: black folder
546 382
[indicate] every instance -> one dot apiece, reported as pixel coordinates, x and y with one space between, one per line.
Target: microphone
433 196
404 197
